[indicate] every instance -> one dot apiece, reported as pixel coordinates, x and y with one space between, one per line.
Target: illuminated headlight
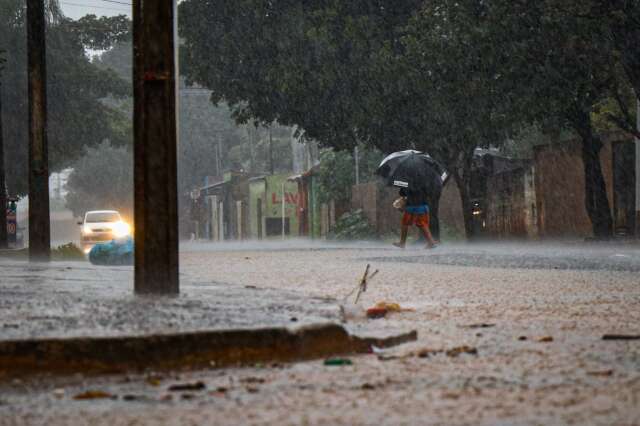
86 229
120 229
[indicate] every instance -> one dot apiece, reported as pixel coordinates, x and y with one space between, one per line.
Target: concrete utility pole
271 168
39 220
3 193
155 193
356 155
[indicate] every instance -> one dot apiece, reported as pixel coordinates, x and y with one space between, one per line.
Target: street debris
461 350
603 373
195 386
381 309
522 338
153 380
253 380
132 398
114 252
545 339
621 337
362 285
337 361
375 313
428 352
94 394
479 325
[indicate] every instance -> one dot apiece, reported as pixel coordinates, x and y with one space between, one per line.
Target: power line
117 2
93 7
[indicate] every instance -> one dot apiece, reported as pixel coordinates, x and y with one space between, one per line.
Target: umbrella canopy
413 170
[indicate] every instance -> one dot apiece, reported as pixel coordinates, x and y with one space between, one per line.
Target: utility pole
39 220
217 147
3 186
638 170
271 169
355 154
155 135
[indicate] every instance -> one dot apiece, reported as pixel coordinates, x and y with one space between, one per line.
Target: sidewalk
70 316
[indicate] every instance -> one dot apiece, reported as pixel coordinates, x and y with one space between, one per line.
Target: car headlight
86 229
120 229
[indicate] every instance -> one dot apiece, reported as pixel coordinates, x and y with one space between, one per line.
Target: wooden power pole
39 225
155 193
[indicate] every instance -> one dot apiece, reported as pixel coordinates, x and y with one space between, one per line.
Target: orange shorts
419 220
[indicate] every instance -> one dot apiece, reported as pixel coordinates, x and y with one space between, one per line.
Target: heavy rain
344 212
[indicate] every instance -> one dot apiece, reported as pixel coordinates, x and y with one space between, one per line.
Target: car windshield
102 217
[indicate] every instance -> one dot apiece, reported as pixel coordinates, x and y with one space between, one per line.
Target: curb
192 350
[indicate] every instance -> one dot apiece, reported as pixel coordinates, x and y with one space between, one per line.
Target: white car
100 226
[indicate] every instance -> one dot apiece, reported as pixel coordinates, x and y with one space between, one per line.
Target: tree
336 172
568 70
76 90
99 33
102 179
443 91
445 77
300 64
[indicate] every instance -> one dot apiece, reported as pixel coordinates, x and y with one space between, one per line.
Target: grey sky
75 9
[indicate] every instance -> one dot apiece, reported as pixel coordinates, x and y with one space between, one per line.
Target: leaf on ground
252 380
478 325
462 350
180 387
93 394
621 337
603 373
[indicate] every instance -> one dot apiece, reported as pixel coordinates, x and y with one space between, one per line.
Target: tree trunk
596 201
461 172
3 193
467 206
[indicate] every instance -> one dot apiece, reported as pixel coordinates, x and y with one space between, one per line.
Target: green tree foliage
102 179
99 33
569 70
336 172
77 115
441 76
297 63
118 58
353 226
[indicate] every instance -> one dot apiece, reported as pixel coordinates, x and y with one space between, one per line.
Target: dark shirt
414 198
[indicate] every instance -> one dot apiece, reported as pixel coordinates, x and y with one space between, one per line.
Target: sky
75 9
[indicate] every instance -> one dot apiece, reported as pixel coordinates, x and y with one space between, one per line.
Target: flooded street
499 342
208 212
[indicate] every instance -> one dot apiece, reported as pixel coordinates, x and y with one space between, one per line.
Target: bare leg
404 230
427 235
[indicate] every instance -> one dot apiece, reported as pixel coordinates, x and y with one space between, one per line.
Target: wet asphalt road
508 334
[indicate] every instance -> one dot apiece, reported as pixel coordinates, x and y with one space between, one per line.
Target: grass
65 252
68 251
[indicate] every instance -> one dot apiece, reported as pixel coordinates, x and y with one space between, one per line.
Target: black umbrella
413 170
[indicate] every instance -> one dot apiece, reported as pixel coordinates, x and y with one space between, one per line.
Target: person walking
416 212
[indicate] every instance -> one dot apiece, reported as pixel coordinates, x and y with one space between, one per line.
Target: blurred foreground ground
507 334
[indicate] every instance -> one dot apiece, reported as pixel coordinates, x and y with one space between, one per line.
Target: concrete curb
183 350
